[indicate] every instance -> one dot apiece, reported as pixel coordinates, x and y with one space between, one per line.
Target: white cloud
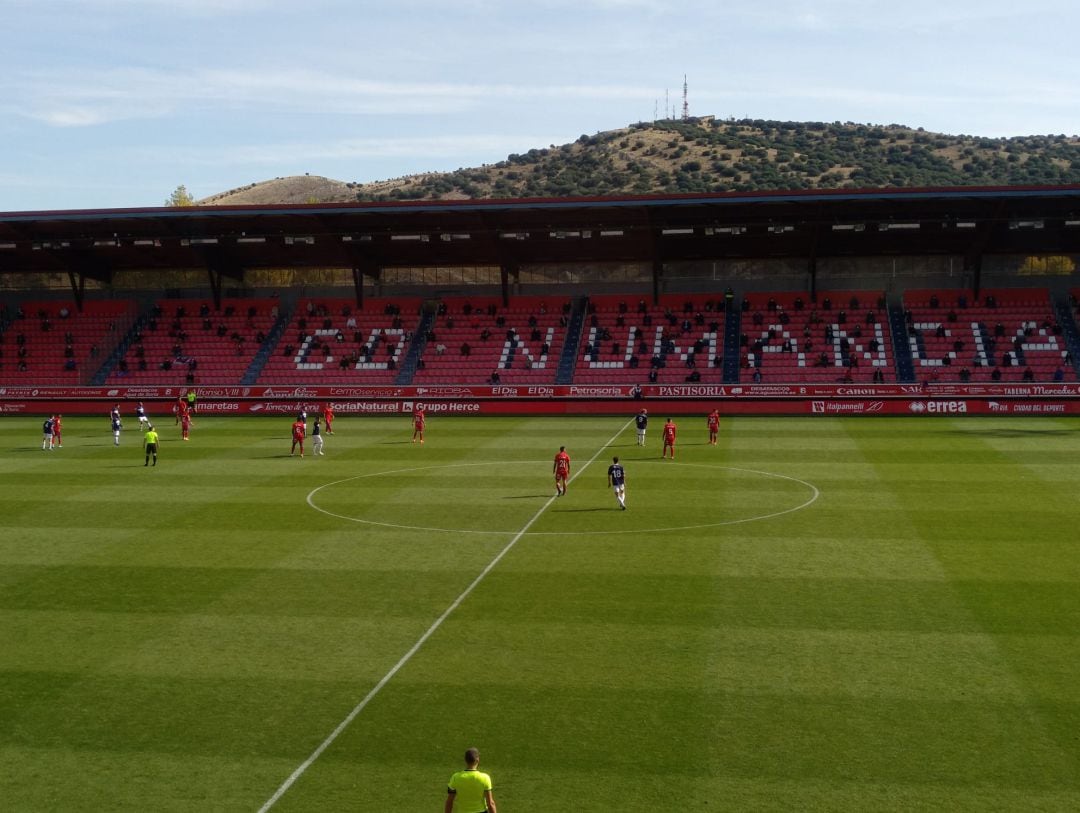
97 97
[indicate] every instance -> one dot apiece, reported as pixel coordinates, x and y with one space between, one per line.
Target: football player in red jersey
561 469
299 431
714 426
669 439
418 424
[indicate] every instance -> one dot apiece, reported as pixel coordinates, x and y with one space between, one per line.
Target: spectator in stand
1029 374
1059 374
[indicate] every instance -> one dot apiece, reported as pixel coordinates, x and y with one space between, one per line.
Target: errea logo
939 407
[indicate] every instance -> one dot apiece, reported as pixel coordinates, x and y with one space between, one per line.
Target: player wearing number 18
616 479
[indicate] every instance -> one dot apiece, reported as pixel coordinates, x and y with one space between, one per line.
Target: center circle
519 482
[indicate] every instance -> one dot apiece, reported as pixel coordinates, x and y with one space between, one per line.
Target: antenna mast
685 102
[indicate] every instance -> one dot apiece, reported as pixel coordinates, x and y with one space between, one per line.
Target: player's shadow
577 510
527 497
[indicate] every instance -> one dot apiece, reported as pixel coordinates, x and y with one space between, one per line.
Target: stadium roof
969 222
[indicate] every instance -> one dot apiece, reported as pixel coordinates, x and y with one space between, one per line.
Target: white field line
397 667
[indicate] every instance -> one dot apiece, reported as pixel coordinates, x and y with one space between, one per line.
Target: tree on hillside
180 197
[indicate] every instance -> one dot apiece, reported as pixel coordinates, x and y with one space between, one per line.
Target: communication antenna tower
685 102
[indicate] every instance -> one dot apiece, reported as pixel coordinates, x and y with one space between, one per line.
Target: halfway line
307 763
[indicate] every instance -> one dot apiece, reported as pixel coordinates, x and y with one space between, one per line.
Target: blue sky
109 103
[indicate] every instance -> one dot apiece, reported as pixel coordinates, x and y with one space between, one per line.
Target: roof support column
507 269
78 288
973 266
215 285
364 266
358 287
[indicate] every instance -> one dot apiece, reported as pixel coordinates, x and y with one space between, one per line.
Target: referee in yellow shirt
150 442
470 788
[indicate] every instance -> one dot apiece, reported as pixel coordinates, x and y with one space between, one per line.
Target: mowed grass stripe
317 648
271 591
911 636
860 664
703 736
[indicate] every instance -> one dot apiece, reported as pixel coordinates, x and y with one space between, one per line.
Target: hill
706 155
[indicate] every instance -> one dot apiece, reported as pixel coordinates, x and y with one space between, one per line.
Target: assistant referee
150 442
470 787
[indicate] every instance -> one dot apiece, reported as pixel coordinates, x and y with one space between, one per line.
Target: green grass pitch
814 614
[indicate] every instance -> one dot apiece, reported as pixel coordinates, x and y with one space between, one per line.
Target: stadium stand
471 340
55 343
1005 335
842 337
188 342
330 341
628 340
944 335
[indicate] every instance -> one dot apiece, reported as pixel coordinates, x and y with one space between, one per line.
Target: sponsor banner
287 410
823 407
343 393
